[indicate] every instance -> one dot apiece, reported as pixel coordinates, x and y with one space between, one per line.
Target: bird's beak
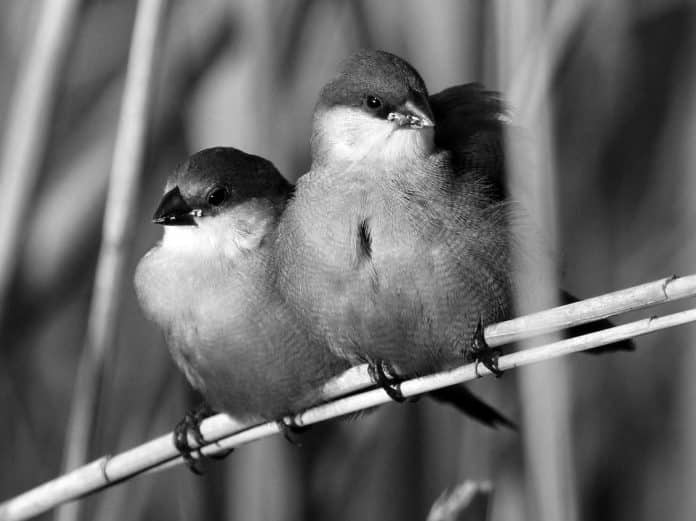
173 210
412 116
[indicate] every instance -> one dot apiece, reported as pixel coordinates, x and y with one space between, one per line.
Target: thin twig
27 126
160 453
470 372
117 233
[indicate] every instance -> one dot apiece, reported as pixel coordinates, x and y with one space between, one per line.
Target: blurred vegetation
246 74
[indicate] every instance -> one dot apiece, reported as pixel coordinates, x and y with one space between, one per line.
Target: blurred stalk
469 500
116 236
683 134
266 481
49 265
25 138
544 389
528 82
452 39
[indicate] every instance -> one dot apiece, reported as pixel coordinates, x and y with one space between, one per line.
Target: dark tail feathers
591 327
465 401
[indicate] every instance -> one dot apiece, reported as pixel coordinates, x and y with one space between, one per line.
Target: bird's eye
217 196
373 102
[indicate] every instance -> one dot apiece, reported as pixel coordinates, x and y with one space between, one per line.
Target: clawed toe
384 375
191 425
481 353
291 430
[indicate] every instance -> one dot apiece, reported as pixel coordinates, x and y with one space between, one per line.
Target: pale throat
228 235
346 135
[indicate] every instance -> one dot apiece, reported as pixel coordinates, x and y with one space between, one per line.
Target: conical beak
173 210
413 115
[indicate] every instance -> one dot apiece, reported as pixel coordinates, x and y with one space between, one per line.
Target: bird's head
221 200
376 106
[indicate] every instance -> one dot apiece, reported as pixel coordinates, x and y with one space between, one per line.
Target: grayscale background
246 74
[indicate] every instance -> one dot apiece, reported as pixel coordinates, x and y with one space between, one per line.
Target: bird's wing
469 122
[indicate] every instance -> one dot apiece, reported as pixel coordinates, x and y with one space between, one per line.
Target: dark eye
373 102
217 196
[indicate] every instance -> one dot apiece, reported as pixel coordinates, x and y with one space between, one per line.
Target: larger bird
406 255
396 246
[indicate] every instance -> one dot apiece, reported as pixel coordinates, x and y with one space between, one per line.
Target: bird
209 284
396 247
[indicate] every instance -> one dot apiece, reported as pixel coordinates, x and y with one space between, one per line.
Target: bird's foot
481 353
384 375
290 430
191 425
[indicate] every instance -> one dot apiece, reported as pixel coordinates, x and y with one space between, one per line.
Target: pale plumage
398 265
210 285
396 246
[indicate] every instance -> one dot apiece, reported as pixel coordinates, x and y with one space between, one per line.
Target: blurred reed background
615 85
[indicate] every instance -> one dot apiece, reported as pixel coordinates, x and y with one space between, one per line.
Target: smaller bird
210 285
